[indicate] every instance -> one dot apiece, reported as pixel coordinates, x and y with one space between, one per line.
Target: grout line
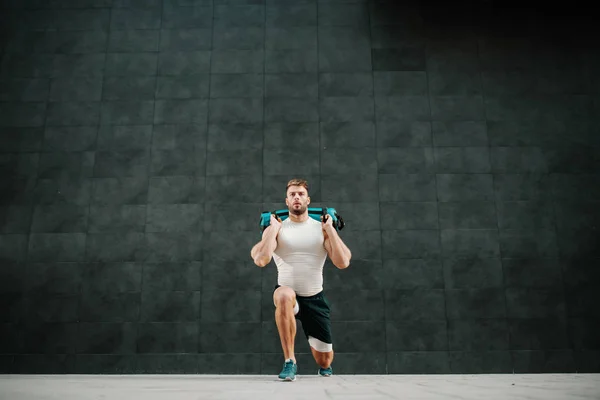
318 76
437 201
90 178
195 181
91 189
378 183
562 261
262 183
506 318
147 205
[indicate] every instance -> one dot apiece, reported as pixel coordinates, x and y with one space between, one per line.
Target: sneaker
288 373
325 371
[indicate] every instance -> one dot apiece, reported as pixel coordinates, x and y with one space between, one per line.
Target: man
300 246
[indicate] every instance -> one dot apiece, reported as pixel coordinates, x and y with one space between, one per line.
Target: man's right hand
275 223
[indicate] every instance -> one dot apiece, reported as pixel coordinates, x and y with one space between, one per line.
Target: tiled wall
140 140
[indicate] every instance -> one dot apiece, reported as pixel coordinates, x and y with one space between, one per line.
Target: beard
301 209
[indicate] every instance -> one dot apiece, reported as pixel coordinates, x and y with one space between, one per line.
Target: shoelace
288 366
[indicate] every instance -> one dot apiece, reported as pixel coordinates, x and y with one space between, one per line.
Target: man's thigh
316 322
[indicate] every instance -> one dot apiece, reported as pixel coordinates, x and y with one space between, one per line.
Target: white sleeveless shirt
300 255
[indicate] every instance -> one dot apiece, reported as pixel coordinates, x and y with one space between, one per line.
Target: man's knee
285 297
323 359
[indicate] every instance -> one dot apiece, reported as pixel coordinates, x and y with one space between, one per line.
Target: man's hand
275 223
328 224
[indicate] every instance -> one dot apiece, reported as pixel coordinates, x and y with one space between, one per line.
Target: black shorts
314 314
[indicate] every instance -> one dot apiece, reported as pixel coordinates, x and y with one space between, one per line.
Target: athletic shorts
314 314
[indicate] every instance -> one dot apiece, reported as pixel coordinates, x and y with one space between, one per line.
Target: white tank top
300 256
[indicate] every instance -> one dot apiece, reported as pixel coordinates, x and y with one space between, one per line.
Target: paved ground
347 387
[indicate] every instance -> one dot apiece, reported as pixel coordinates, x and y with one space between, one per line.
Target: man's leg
285 302
324 358
318 331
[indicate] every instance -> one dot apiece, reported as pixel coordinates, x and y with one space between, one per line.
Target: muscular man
300 245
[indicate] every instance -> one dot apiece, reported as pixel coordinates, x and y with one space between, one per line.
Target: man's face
297 200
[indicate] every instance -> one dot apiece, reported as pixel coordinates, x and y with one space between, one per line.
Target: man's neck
298 218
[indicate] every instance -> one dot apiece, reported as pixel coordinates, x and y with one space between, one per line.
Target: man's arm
338 252
262 252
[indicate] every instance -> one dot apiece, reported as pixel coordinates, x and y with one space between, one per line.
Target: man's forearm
263 251
340 253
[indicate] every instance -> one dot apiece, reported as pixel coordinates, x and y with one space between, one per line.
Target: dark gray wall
141 139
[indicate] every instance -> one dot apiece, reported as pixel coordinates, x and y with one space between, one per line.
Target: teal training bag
313 212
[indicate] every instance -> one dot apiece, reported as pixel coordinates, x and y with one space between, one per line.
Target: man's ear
307 200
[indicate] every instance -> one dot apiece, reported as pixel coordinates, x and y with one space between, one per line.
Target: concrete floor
372 387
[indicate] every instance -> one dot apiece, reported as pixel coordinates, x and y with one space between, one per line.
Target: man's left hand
327 225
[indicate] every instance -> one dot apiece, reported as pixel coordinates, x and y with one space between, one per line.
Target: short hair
297 182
